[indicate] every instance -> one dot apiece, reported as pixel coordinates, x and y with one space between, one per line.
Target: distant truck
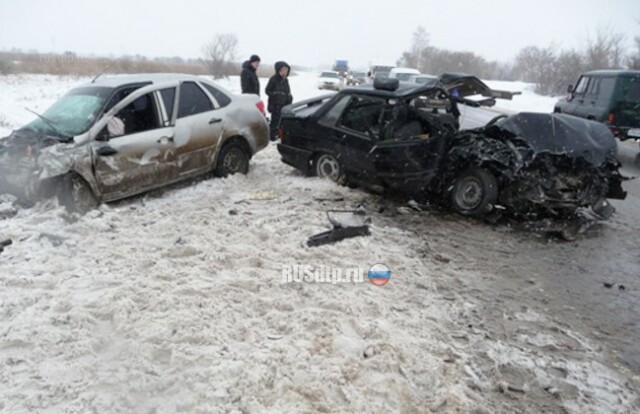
342 67
380 71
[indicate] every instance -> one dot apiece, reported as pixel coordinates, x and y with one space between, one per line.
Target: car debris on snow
346 224
5 243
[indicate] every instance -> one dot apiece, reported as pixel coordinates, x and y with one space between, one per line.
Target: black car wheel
328 166
233 159
76 195
474 192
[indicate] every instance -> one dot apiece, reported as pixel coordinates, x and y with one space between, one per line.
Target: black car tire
233 159
328 166
474 192
75 195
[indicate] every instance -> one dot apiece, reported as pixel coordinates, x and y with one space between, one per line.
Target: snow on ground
529 101
174 302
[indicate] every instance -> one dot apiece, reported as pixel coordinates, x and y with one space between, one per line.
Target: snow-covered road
174 302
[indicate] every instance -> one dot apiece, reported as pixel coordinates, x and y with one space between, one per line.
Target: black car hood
461 85
559 134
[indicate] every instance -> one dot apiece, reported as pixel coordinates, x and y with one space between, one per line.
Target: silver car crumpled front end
21 167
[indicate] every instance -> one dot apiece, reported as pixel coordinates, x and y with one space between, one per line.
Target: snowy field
174 302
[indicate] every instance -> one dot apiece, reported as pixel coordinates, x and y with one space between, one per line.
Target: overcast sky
309 32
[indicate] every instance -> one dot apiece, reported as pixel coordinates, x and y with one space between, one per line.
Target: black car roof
404 90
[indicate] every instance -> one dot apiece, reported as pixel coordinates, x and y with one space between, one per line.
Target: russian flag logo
379 274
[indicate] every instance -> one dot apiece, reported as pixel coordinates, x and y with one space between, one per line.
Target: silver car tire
233 159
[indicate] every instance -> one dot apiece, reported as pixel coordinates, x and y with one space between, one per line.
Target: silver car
120 136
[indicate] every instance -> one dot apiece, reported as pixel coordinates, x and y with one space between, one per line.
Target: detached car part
346 224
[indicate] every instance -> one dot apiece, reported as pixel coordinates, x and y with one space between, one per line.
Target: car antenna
104 70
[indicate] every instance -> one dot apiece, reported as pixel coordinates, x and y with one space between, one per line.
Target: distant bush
6 67
69 63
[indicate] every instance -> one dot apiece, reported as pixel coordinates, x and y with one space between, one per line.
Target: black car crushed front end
545 164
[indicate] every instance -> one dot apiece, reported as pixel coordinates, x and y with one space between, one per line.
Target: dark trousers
275 122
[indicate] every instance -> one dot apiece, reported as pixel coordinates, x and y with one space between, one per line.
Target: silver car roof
113 81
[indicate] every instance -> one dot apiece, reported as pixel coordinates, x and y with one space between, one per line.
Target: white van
403 74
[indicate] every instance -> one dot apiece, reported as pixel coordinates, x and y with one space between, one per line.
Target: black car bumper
296 157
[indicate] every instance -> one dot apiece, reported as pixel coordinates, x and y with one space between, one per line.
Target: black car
404 137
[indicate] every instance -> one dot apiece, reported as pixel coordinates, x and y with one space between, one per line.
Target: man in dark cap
248 77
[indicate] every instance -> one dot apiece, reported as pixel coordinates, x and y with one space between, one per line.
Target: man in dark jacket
248 78
279 95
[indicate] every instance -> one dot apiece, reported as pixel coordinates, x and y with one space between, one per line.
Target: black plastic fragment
5 243
337 234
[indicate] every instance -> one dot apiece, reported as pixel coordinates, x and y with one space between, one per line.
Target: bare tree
420 44
220 54
634 59
606 50
570 64
539 66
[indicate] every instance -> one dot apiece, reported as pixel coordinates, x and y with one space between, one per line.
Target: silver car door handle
164 139
106 151
215 120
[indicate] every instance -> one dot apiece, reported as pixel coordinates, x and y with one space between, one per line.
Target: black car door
356 132
408 156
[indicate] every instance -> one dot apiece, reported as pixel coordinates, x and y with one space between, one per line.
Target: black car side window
363 114
330 118
193 100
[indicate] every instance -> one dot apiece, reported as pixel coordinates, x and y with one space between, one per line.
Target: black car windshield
329 75
72 114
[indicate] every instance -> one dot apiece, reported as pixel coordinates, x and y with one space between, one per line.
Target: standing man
248 77
279 95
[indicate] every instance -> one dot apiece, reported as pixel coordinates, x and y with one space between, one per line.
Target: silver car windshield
72 114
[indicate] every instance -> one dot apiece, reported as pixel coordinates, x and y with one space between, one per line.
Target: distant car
608 96
403 74
356 78
330 80
120 136
379 71
423 79
394 136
